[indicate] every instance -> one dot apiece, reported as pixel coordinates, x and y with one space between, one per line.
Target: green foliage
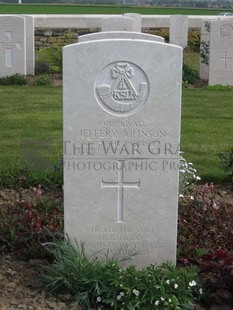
103 284
15 79
43 80
226 162
190 76
41 67
25 226
194 41
52 56
17 177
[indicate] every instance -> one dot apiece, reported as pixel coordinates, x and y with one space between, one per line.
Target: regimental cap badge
127 89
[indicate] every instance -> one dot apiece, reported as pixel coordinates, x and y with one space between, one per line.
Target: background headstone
221 52
119 23
137 21
122 101
12 45
178 31
30 45
119 35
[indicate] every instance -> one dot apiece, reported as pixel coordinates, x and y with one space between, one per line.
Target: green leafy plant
52 56
226 162
43 80
41 67
190 76
104 284
15 79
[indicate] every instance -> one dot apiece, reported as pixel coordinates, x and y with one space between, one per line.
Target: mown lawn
35 113
98 9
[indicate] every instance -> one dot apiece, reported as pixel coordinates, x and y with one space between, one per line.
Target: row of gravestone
17 43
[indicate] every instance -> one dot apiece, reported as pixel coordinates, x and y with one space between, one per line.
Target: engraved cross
8 45
120 185
225 58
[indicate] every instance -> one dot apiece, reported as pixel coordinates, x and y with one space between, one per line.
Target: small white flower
198 178
157 302
169 300
168 281
122 294
191 197
181 196
176 286
136 292
193 283
118 297
200 291
162 298
98 299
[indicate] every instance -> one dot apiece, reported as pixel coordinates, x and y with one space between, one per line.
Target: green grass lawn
35 113
95 9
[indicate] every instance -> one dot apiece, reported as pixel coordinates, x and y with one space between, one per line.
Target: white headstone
221 52
122 102
12 45
178 31
204 49
119 35
119 23
30 45
137 21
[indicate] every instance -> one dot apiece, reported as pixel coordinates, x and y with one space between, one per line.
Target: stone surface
178 31
30 45
137 20
119 23
119 35
121 147
204 49
12 45
221 52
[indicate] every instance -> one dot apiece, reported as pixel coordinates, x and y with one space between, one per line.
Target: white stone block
178 31
221 52
119 35
122 109
12 45
119 23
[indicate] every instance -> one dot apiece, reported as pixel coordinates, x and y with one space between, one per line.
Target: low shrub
41 67
104 285
43 80
190 76
15 79
226 162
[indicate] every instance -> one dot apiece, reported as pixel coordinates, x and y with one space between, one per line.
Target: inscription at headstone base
121 147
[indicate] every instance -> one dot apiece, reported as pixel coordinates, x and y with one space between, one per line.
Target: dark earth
21 286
